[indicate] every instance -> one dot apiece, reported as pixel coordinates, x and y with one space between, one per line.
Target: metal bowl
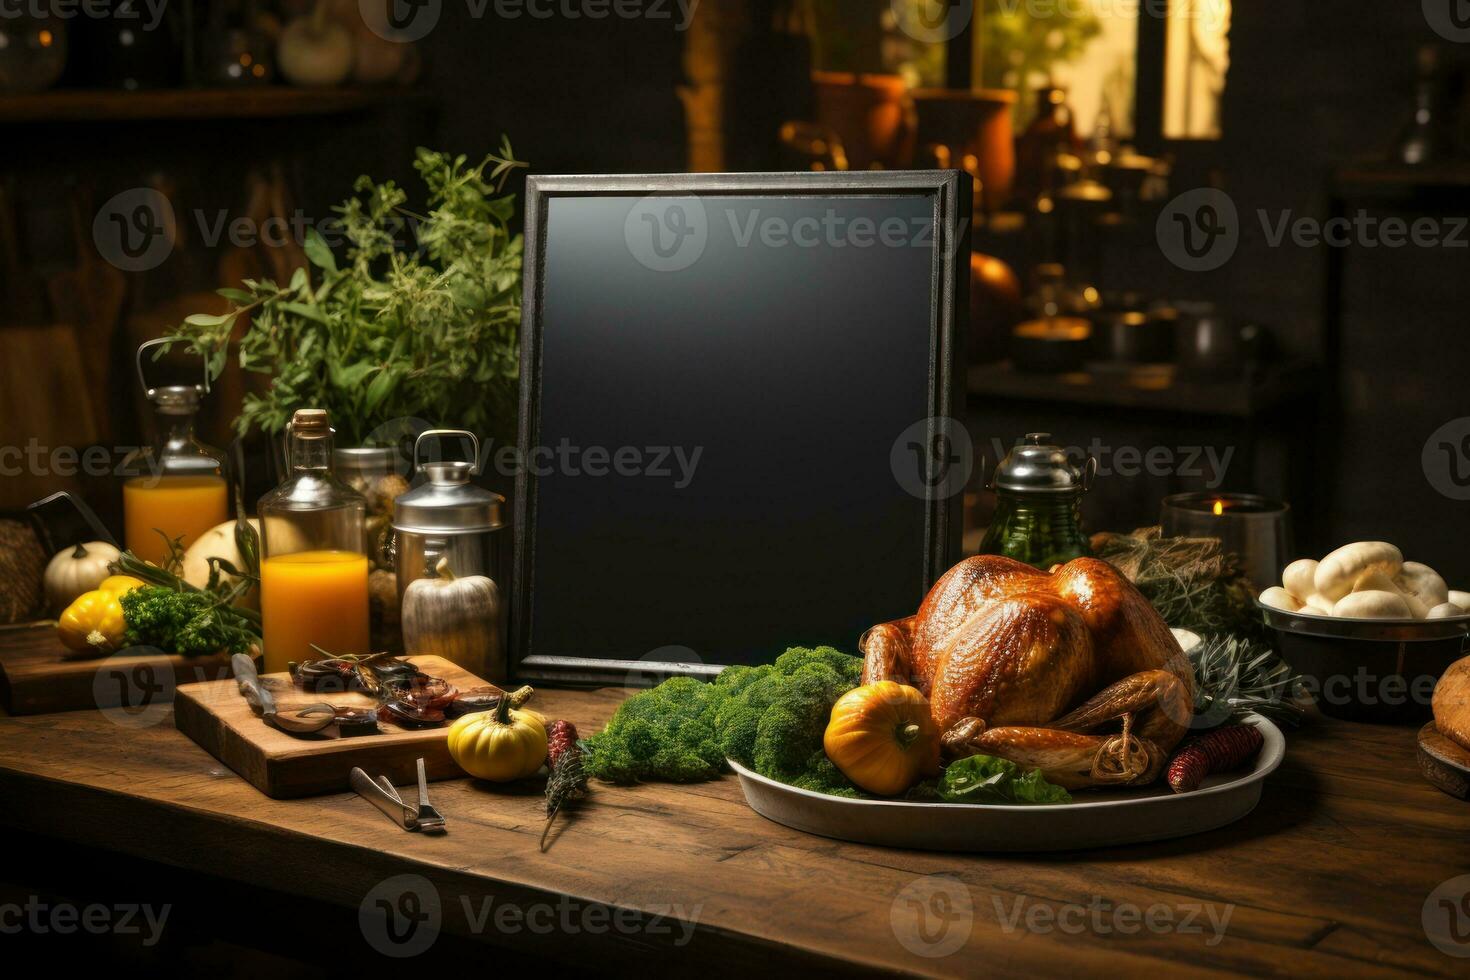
1374 670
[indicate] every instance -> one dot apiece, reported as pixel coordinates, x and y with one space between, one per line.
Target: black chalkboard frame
950 192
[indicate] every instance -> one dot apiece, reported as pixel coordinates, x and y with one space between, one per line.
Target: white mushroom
1278 598
1444 611
1372 605
1340 570
1422 587
1300 578
1461 599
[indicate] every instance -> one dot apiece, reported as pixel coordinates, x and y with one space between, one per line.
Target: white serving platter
1092 819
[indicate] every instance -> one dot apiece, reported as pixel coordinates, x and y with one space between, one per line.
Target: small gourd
75 571
883 737
454 618
502 745
93 625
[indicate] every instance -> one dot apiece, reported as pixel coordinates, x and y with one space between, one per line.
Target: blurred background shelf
265 102
1157 387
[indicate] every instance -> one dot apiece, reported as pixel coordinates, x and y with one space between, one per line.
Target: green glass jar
1038 499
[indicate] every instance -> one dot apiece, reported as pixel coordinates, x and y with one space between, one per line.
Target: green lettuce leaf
986 779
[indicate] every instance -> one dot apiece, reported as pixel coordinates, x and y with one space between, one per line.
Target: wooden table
1328 876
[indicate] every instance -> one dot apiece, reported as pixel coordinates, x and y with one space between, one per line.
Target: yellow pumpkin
121 585
883 738
93 623
501 745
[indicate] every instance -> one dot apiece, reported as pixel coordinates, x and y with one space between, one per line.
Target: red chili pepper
1220 751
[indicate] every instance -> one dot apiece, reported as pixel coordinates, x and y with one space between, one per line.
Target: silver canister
446 517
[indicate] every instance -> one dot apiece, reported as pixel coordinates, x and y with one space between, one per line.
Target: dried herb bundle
1192 582
1235 675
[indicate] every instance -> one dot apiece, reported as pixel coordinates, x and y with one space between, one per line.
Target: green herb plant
391 331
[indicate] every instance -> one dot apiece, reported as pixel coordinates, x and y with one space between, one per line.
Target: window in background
1196 59
1088 47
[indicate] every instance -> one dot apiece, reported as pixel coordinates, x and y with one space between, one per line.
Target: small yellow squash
121 585
883 738
93 624
501 745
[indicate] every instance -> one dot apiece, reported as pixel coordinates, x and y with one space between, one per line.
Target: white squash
454 618
75 571
1372 604
218 542
1340 570
1278 598
1300 578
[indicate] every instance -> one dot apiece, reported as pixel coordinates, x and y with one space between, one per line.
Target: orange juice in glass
313 597
179 506
314 567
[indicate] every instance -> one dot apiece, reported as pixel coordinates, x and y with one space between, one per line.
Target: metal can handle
438 433
143 378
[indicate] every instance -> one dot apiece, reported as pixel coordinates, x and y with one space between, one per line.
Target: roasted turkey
1073 672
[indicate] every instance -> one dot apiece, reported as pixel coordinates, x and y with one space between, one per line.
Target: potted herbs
418 318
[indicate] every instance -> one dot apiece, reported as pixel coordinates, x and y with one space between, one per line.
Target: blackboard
728 383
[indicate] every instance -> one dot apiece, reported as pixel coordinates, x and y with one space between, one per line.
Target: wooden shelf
265 102
1395 178
1147 388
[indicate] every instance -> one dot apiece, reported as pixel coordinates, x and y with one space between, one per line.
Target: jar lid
1035 466
448 503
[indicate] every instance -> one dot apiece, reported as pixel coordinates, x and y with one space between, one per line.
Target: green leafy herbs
420 318
1236 674
189 623
986 779
770 718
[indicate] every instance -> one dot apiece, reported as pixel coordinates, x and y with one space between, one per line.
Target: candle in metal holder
1254 528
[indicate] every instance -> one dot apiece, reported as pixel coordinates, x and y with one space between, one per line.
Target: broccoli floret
770 718
791 729
820 776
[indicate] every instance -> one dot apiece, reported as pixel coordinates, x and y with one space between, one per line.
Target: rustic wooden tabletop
1332 874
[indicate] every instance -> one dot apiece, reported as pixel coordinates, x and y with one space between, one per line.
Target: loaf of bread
1452 703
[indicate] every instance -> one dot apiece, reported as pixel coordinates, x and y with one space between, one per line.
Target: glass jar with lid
314 564
1038 499
174 489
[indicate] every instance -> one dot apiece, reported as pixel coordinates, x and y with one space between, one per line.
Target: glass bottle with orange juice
314 565
175 488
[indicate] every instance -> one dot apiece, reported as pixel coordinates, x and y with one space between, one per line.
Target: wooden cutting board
282 766
35 679
1444 762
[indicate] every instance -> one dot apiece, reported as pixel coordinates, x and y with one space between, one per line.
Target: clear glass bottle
314 564
1038 499
175 488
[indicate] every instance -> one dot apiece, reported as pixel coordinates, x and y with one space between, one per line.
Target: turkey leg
1152 706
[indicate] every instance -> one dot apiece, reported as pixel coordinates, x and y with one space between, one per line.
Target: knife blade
314 719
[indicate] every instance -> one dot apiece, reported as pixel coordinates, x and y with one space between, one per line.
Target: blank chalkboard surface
718 375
